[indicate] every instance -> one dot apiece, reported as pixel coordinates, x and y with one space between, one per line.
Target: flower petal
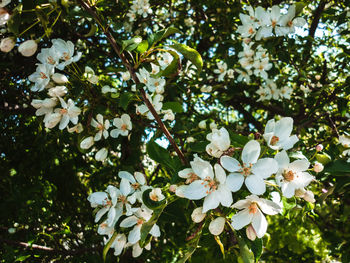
251 152
129 221
234 181
211 201
255 184
299 165
265 167
195 191
128 176
135 234
220 174
241 219
229 163
259 224
282 160
269 207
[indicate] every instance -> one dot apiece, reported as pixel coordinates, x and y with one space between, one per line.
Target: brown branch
317 16
127 64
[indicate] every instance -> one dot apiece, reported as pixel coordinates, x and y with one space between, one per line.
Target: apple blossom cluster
139 7
215 186
154 87
269 91
125 203
263 23
58 56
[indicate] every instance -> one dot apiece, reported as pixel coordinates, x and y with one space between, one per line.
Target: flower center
154 197
122 199
290 23
135 185
43 76
140 221
251 30
222 70
273 23
246 170
193 177
253 208
63 111
274 139
211 184
124 127
50 60
100 127
66 56
288 176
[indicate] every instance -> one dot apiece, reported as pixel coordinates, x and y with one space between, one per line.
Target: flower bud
28 48
202 124
87 143
11 230
213 125
319 147
172 188
7 44
251 234
126 75
318 77
52 120
101 155
59 78
190 139
4 16
247 40
180 190
309 197
217 226
318 167
197 215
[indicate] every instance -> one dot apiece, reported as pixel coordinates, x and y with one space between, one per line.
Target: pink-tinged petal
265 167
234 181
195 190
225 195
299 165
259 224
255 184
241 219
129 221
211 201
251 152
269 207
282 160
230 164
220 174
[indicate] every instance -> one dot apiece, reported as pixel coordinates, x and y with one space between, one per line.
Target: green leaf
199 146
160 35
246 256
237 139
108 245
288 204
191 247
257 248
323 158
125 99
190 54
299 6
142 47
160 155
22 258
146 227
131 44
338 167
174 106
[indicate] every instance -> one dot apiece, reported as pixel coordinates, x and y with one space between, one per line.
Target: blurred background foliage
45 179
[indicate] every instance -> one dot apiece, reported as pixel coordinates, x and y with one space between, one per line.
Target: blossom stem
127 64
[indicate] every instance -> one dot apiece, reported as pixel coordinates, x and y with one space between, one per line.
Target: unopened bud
172 188
319 147
318 77
309 197
213 125
28 48
7 44
217 226
11 230
59 78
318 167
251 234
202 124
197 215
190 139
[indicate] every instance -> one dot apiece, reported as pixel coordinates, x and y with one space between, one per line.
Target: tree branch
127 64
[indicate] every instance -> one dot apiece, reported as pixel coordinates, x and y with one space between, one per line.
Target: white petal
195 191
217 226
225 195
289 143
265 167
251 152
100 213
229 163
220 174
288 189
202 168
140 178
119 244
269 207
185 173
299 165
284 127
129 221
155 231
125 187
259 224
282 160
136 250
135 234
255 184
234 181
242 204
127 176
211 201
241 219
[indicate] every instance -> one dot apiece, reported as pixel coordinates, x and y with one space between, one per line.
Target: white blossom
102 127
123 124
219 142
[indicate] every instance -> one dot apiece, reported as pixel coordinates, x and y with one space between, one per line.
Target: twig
127 64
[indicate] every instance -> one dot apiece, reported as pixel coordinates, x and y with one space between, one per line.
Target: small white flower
156 195
65 51
41 77
90 75
157 103
168 115
251 213
344 140
49 56
278 134
123 124
222 70
165 60
202 124
69 113
219 142
252 171
119 244
102 127
87 143
28 48
77 128
126 75
59 78
291 176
